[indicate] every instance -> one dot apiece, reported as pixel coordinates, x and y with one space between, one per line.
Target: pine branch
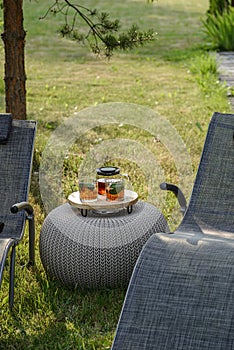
103 34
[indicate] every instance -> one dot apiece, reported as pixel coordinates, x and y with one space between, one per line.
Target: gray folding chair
16 153
181 293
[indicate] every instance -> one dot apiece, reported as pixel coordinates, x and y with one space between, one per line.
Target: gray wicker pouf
96 251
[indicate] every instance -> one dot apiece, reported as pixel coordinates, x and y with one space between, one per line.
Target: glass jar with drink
111 183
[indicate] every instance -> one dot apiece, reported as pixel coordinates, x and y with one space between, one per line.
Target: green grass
175 77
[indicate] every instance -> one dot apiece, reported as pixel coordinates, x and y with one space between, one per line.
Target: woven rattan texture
96 251
181 293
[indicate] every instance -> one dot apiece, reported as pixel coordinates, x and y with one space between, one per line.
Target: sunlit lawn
171 76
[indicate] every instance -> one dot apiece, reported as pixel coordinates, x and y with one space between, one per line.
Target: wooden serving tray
130 198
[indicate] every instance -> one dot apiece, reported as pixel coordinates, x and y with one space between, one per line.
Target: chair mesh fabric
212 197
181 293
5 126
15 171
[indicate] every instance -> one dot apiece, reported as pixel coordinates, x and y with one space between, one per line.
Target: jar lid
108 171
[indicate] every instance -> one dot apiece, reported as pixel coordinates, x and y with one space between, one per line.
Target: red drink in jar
102 186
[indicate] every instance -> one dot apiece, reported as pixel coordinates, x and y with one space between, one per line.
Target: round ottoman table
99 250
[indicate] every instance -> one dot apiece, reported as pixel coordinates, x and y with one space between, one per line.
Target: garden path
226 70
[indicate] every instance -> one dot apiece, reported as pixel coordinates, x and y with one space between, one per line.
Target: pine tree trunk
14 43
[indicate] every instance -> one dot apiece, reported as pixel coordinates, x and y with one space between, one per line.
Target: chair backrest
16 153
212 200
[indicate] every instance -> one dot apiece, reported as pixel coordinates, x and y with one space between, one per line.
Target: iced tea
88 190
102 186
114 190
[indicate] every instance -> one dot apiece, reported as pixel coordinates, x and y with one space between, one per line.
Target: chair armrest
178 193
30 217
22 206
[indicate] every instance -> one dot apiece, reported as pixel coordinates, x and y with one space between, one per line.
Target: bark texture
14 43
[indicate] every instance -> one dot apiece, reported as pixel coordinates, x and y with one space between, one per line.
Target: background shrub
220 29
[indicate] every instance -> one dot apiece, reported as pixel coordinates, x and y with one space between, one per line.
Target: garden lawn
175 76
